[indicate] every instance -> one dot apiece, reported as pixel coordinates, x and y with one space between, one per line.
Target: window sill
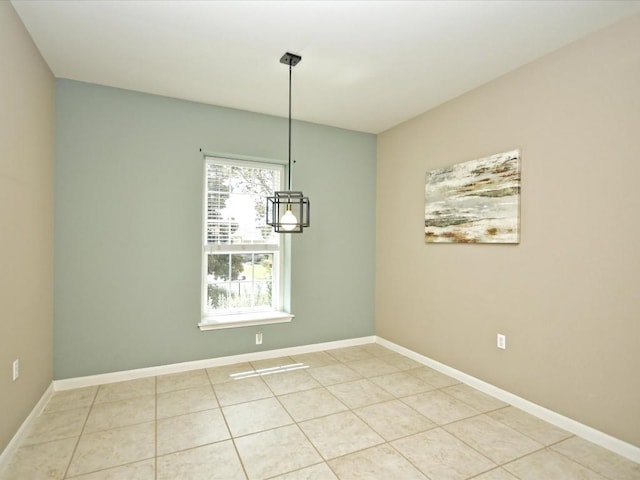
244 320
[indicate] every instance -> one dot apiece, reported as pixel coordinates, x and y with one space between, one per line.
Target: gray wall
26 223
567 296
128 206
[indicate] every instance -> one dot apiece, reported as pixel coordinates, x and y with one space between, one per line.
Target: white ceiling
366 65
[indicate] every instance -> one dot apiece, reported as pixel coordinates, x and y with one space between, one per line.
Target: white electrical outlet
258 338
502 341
16 369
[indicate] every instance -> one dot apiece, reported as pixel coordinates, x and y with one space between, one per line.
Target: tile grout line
276 397
481 413
436 425
224 418
353 412
385 441
576 460
441 426
84 424
348 409
548 448
295 422
544 446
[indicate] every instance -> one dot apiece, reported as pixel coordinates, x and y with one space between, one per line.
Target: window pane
262 295
263 266
217 296
218 267
219 228
236 203
243 262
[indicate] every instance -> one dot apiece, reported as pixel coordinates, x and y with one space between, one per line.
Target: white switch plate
16 369
502 341
258 338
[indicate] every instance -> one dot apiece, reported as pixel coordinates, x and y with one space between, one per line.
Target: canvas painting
474 202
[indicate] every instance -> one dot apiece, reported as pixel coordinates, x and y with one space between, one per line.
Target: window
242 258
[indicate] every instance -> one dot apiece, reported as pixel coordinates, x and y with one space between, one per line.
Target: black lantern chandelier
288 211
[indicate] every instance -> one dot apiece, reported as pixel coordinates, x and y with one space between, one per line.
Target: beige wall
26 222
568 296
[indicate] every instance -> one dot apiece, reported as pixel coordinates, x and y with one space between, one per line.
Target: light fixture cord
289 183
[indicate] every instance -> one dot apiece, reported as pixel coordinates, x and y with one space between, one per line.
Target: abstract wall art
474 202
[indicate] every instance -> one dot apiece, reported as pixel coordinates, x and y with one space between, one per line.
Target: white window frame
281 255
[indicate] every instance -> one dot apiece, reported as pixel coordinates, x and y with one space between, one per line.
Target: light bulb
288 221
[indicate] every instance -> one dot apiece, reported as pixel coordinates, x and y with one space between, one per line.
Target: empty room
319 240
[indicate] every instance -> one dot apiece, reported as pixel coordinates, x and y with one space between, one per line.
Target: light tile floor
352 413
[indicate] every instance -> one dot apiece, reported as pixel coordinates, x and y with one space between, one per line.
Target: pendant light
288 211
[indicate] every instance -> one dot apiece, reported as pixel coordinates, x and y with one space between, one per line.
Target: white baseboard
10 449
584 431
78 382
